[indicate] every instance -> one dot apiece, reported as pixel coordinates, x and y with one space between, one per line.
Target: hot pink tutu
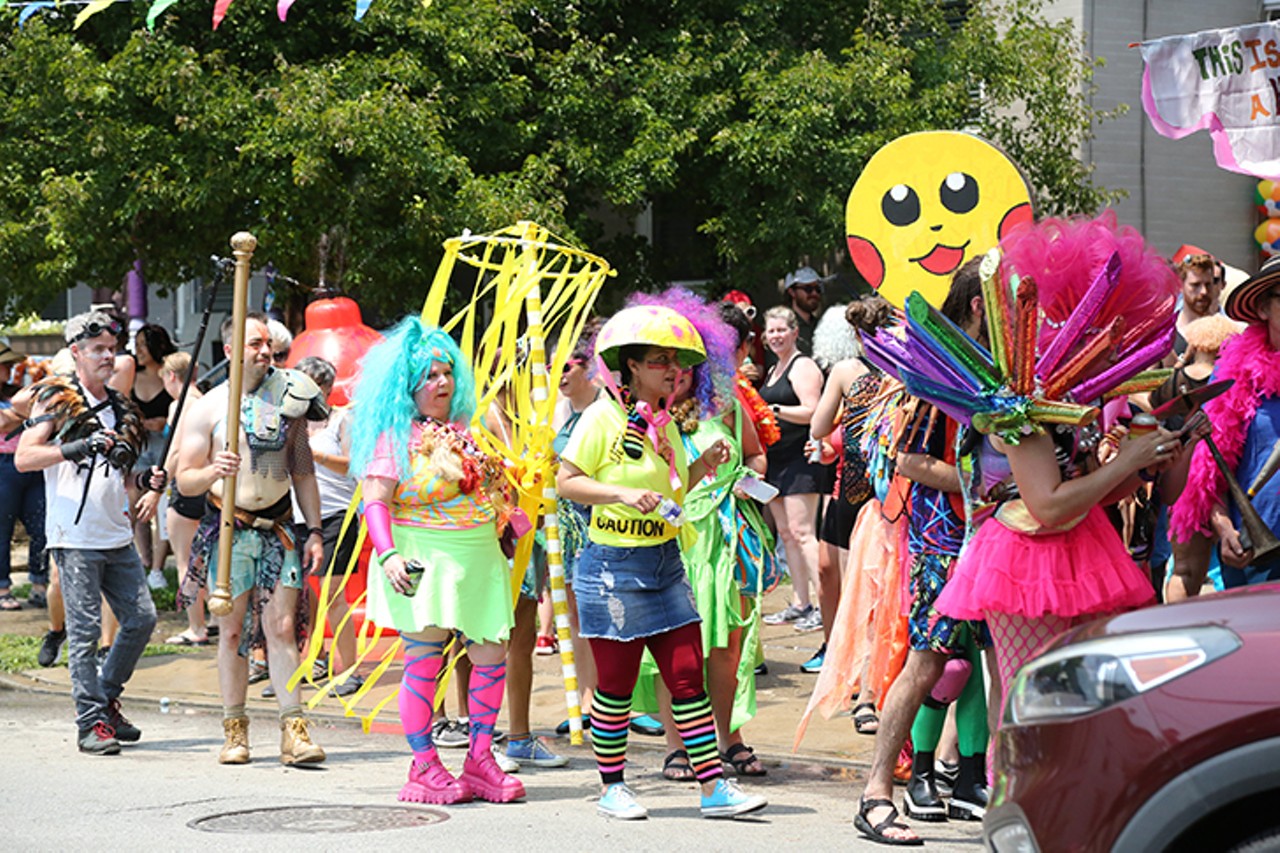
1073 573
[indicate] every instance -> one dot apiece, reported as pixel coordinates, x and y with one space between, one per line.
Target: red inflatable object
335 331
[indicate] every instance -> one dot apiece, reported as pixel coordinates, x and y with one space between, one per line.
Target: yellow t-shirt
596 449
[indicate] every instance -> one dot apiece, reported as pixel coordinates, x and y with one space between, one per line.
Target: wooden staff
243 244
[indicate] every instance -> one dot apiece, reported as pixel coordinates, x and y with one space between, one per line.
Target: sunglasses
94 328
808 288
663 363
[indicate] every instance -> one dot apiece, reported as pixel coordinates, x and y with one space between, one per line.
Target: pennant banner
90 10
31 8
156 10
1224 81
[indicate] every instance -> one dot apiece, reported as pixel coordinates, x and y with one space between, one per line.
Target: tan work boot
296 746
236 749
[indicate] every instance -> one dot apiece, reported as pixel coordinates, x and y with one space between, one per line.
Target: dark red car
1158 730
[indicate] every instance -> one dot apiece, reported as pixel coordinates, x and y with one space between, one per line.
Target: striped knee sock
484 698
698 731
610 719
422 662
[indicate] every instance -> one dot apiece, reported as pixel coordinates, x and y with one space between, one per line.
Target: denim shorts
629 593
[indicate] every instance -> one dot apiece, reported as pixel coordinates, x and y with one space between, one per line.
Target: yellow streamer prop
528 284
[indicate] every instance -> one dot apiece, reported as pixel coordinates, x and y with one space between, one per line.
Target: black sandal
876 833
677 767
865 719
740 757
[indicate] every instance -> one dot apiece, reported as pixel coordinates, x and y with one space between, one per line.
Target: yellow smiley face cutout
925 204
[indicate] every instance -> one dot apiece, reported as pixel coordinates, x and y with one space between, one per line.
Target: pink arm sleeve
378 519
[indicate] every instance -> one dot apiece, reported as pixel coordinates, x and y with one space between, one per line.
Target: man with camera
85 437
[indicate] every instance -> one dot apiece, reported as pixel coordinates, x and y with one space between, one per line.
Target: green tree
360 146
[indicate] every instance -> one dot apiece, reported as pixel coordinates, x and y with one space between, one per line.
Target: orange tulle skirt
870 631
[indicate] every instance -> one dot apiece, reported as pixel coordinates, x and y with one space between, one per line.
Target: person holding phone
432 502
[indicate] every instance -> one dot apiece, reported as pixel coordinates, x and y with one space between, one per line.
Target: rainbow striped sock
610 719
698 731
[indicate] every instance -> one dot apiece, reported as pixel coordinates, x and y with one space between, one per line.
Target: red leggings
678 654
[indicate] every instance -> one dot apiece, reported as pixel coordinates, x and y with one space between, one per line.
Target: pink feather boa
1254 364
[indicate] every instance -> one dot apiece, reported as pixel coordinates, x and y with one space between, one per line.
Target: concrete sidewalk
191 680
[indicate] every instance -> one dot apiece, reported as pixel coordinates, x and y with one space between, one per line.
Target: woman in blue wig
432 500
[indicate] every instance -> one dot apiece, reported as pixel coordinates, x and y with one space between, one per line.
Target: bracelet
386 555
777 409
315 531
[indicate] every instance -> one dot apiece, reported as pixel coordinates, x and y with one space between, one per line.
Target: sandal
677 768
742 759
8 602
37 600
186 638
865 719
876 833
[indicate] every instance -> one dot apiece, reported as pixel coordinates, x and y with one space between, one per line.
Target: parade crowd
705 452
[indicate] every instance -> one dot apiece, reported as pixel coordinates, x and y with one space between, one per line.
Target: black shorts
329 529
838 521
187 506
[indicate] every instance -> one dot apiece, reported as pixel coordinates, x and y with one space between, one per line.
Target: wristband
315 531
383 556
1145 476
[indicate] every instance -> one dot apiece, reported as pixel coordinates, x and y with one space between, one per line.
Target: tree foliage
360 146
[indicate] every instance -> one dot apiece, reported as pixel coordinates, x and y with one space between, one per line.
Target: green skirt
466 587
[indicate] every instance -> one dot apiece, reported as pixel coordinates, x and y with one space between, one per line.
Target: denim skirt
629 593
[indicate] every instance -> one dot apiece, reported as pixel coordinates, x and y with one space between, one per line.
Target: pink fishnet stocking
1017 639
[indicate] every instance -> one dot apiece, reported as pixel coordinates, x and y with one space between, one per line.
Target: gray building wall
1176 192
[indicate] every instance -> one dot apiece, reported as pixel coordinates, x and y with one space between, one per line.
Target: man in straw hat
1246 426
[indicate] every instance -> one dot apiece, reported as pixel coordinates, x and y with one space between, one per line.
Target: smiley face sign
925 204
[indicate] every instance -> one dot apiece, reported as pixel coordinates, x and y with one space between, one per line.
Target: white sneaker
505 764
156 579
619 801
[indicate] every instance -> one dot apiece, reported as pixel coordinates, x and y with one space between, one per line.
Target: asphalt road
168 793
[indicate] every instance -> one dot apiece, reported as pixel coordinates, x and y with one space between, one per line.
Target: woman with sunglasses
627 462
792 389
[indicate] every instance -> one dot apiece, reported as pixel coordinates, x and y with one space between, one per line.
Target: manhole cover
313 819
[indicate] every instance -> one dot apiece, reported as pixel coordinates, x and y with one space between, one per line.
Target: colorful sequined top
448 485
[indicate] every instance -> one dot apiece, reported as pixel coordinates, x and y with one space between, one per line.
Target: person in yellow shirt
626 461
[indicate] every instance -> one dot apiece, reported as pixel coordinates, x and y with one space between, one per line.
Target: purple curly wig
712 379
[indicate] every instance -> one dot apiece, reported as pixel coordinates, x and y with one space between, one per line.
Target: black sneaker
125 730
51 647
99 740
451 734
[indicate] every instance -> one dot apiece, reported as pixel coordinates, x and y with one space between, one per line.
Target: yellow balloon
925 204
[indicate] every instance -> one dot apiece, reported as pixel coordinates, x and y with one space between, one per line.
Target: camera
121 456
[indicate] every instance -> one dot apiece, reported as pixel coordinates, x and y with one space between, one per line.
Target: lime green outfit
711 562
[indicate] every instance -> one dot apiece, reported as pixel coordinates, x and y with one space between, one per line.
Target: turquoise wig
390 373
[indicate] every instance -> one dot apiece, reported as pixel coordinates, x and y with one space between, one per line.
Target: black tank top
793 436
156 407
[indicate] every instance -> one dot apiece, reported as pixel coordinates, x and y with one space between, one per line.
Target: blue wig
390 373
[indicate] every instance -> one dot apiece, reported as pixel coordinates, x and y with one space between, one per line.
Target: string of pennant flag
157 8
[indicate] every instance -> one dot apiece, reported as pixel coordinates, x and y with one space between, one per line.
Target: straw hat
1242 302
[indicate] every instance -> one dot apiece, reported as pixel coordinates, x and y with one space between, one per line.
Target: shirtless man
267 568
